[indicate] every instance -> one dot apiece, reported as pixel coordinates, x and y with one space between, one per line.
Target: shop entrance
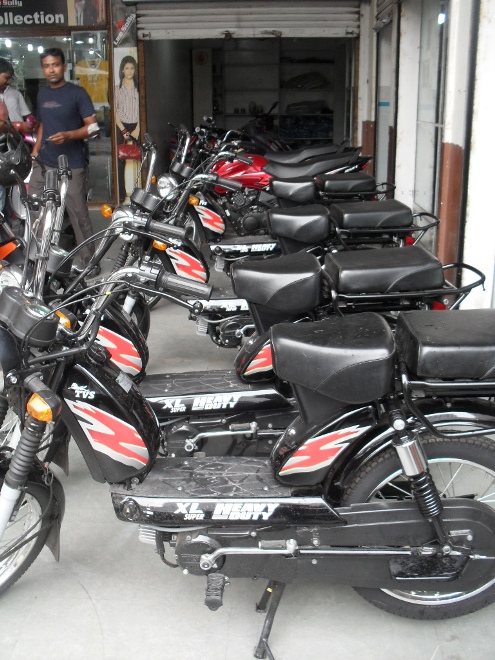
87 65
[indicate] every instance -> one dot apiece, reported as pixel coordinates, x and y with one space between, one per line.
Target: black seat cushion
351 182
384 271
448 344
349 359
307 224
301 189
312 166
289 283
371 215
298 155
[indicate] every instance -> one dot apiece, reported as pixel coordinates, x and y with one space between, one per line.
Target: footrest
215 585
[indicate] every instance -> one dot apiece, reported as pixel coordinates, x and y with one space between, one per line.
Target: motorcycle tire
36 500
464 467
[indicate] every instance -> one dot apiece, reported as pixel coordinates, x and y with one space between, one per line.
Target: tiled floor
111 598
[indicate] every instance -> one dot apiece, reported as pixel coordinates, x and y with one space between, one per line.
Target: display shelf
290 72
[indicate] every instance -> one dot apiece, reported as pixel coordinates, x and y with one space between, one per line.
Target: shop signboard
34 14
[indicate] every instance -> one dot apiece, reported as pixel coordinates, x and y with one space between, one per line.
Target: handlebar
51 181
183 286
157 227
229 184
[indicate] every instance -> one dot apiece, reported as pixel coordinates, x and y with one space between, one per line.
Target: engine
247 213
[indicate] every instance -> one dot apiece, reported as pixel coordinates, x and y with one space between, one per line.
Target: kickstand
271 597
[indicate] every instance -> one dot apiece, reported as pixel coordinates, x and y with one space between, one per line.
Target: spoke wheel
8 427
461 468
27 522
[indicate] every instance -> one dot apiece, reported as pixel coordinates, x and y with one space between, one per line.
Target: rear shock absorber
415 467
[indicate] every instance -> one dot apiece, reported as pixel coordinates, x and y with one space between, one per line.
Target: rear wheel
464 467
28 522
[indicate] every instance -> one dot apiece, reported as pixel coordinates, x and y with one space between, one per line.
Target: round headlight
167 187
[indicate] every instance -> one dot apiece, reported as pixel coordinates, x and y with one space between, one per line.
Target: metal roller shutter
213 20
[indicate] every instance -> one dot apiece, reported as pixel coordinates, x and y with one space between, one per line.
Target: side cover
113 425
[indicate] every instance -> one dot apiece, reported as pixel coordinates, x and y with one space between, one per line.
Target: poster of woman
126 111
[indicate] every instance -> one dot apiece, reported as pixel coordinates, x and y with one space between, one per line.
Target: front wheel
32 521
464 467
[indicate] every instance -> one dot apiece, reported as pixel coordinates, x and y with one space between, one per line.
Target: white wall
479 244
407 101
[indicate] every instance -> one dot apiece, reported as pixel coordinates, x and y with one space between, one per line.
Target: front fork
46 403
415 467
19 468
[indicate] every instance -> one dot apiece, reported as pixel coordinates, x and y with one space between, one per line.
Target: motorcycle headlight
167 187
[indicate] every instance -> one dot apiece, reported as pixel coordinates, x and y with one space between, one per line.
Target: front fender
57 503
477 413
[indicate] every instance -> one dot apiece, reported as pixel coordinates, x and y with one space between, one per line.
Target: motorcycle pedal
215 585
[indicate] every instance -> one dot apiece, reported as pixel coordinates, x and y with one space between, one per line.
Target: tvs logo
123 352
262 362
110 435
211 220
321 451
82 391
187 265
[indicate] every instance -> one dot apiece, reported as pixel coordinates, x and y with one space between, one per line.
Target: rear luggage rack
361 300
351 236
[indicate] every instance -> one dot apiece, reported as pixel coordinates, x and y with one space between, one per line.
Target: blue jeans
3 194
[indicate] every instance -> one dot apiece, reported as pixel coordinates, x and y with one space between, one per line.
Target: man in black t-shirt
67 117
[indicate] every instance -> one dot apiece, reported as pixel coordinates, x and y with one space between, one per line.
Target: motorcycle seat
449 344
312 166
307 224
349 359
298 155
342 182
371 215
289 283
384 271
302 189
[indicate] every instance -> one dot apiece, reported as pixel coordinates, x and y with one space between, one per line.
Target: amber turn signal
193 200
106 211
63 319
158 245
38 408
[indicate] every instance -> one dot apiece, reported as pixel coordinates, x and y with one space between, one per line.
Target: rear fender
465 412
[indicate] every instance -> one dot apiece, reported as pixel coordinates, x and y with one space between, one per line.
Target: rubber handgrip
229 184
51 180
183 286
63 162
245 159
162 228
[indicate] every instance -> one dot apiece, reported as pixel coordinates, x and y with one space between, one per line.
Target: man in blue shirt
66 118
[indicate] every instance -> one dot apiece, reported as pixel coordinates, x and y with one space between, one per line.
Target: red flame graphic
211 220
123 351
187 265
110 435
321 451
262 362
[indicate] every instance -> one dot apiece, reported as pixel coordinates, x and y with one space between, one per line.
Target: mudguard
331 452
57 506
